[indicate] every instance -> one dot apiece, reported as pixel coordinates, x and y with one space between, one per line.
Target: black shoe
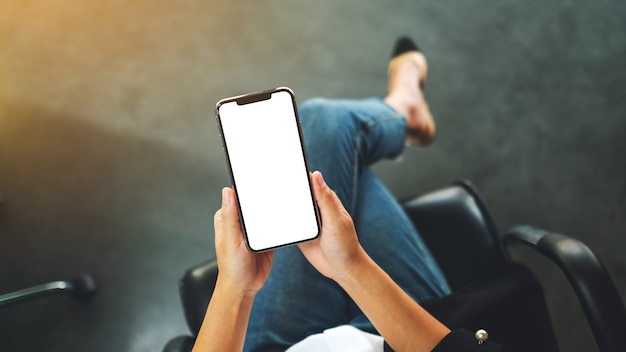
403 45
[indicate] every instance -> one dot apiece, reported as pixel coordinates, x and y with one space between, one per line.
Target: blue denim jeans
343 138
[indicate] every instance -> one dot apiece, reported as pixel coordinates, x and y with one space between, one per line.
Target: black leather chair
489 290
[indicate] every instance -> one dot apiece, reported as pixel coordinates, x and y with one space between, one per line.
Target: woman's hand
335 251
338 255
241 270
242 274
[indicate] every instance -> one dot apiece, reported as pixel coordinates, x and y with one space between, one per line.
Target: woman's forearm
225 322
404 324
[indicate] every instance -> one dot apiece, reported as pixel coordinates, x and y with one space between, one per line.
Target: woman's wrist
228 310
355 270
233 289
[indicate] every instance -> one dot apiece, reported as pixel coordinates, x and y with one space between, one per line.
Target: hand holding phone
267 162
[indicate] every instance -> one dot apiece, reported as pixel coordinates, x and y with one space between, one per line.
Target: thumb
229 212
329 204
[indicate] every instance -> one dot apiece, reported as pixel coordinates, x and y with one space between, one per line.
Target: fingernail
320 180
225 196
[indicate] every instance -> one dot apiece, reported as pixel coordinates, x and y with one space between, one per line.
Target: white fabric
344 338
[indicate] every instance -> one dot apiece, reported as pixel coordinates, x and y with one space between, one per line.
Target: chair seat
508 303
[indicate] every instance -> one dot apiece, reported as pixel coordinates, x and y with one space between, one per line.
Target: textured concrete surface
110 162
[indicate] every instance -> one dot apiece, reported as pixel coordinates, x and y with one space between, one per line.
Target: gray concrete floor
110 161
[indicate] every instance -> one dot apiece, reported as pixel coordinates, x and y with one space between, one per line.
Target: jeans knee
315 109
326 119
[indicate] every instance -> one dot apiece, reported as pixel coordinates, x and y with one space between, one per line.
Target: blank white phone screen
269 171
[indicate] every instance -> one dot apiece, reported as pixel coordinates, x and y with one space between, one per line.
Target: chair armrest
196 288
81 288
594 287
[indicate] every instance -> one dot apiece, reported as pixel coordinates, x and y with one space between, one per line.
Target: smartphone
266 158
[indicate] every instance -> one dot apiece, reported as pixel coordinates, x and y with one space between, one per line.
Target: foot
407 74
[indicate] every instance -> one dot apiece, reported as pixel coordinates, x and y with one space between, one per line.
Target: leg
297 301
345 137
342 139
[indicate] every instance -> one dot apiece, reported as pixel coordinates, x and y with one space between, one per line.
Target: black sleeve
463 340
